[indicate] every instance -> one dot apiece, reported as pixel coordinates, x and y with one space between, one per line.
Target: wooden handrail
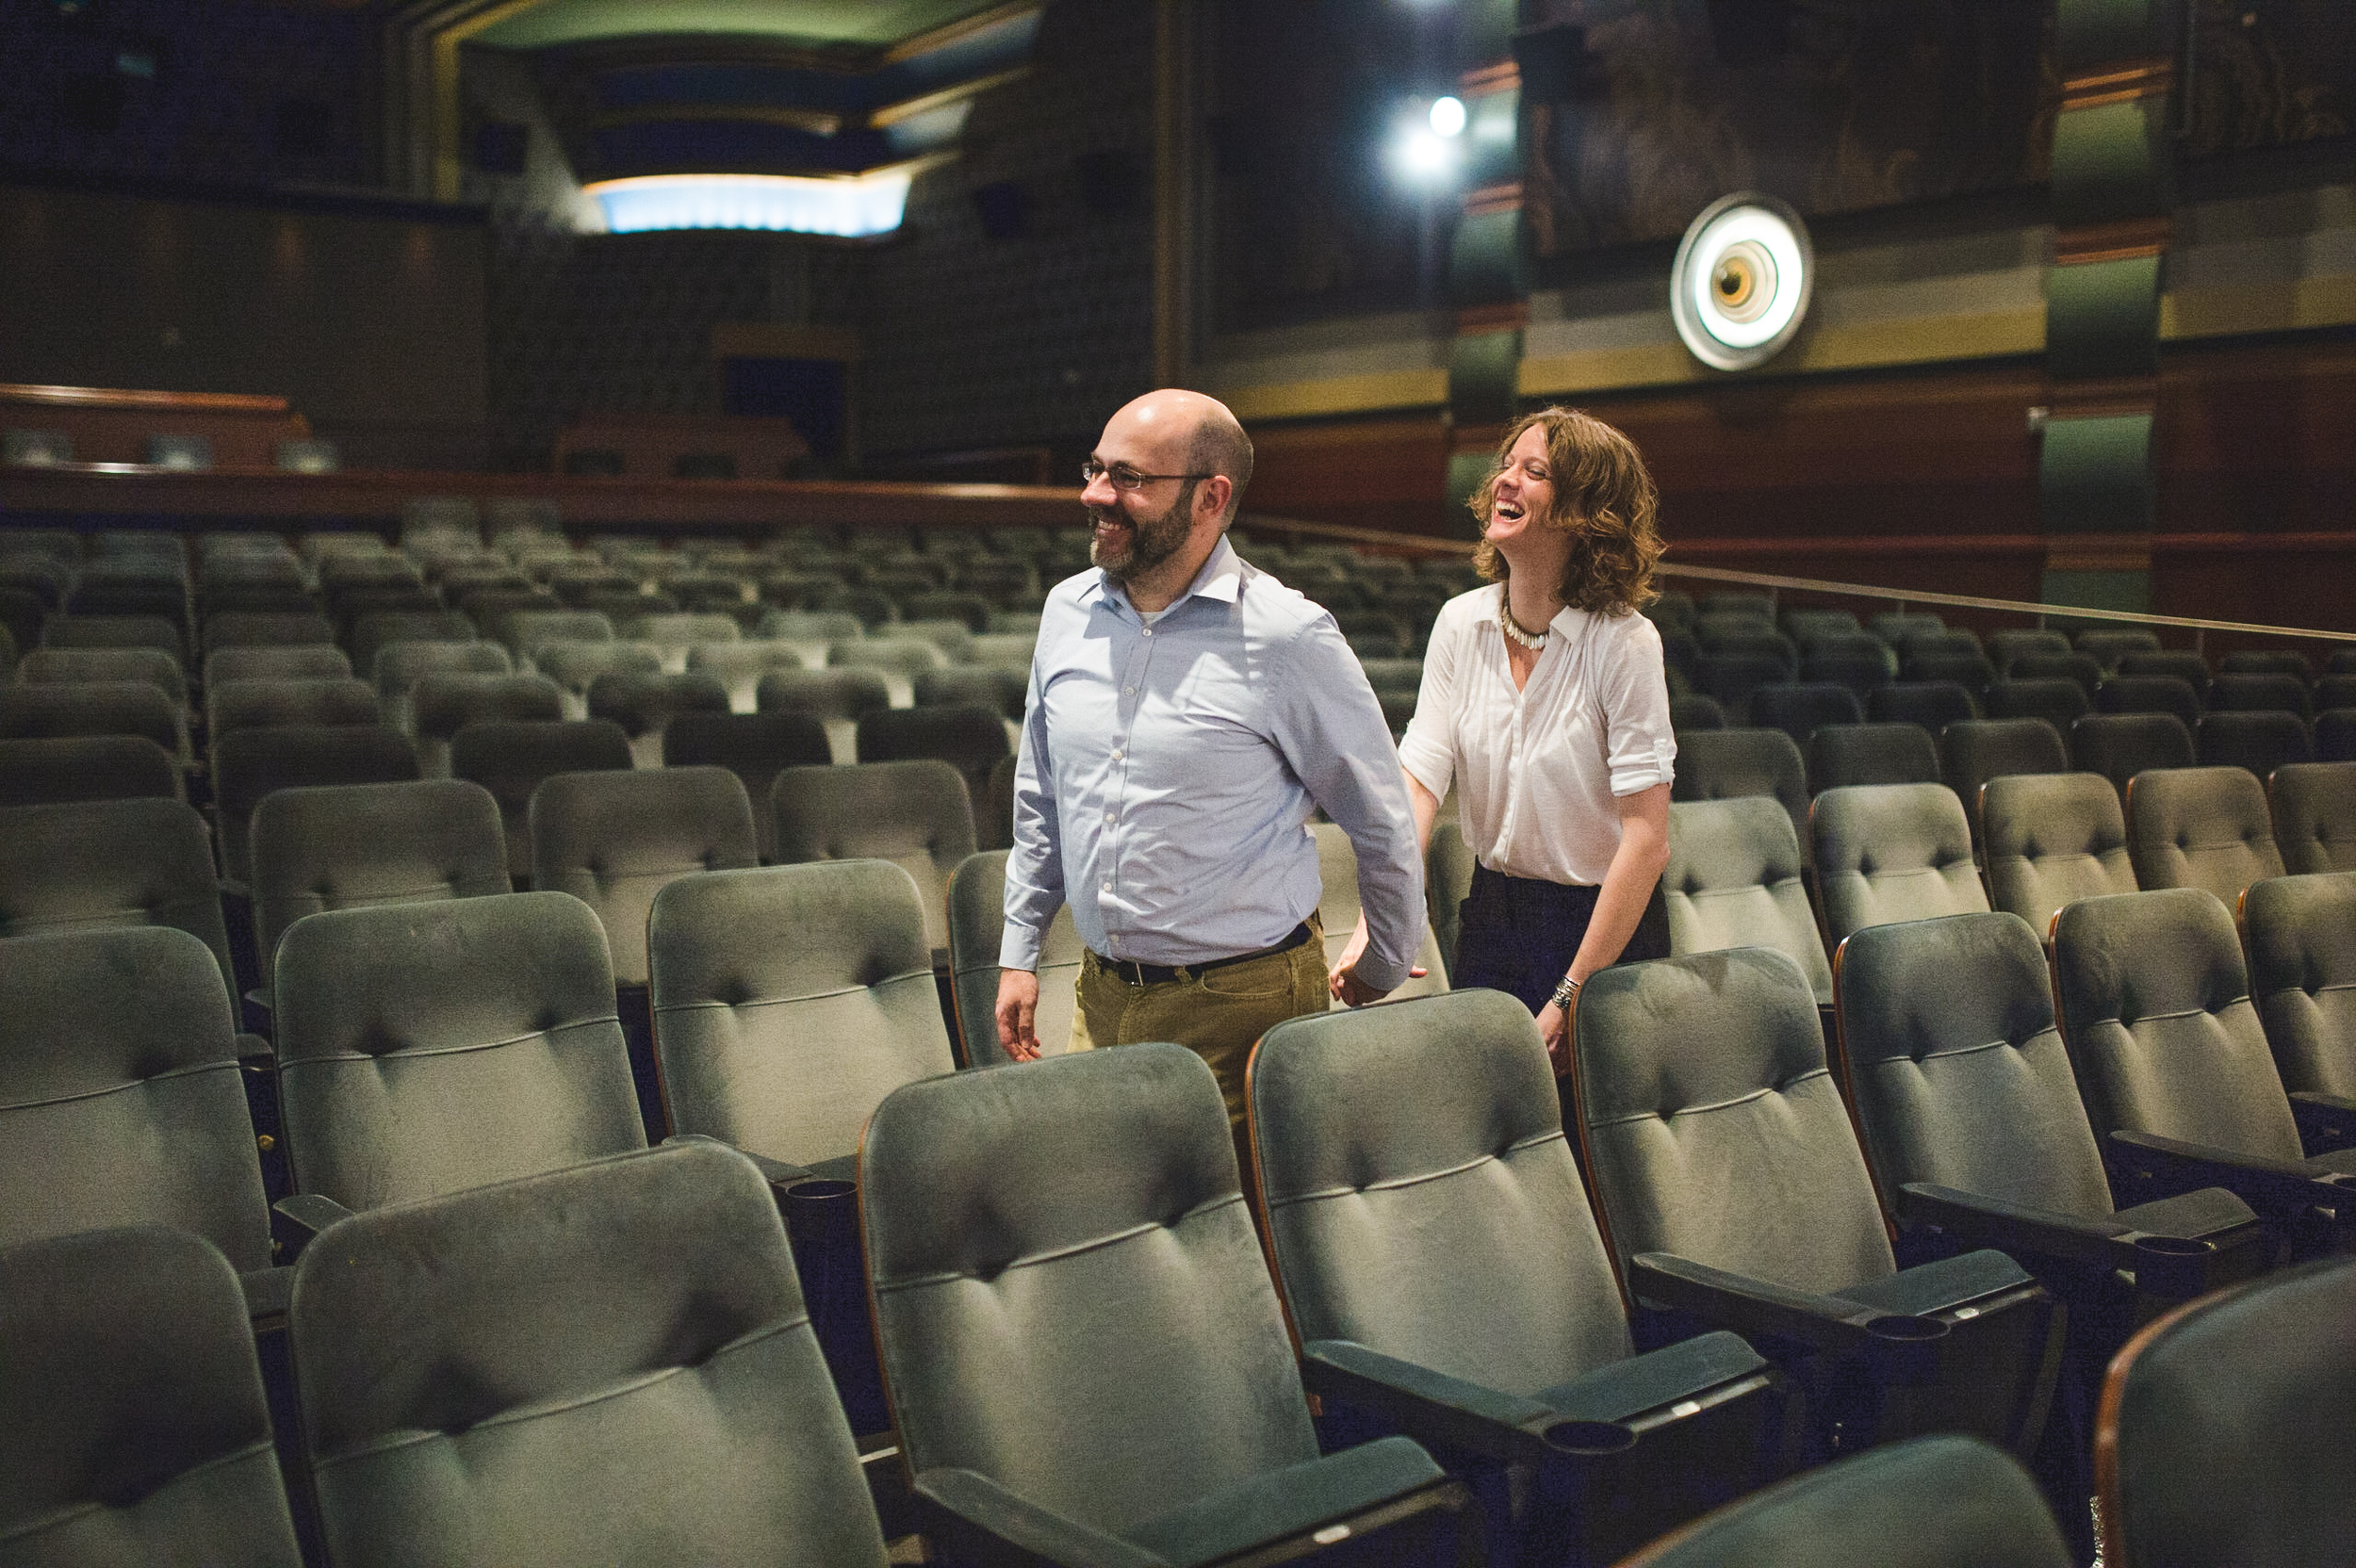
109 397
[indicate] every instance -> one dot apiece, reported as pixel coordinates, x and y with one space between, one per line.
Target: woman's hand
1554 1027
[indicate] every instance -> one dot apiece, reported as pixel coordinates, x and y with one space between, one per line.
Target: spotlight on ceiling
852 207
1448 116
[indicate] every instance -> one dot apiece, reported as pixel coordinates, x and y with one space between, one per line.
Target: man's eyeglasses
1125 478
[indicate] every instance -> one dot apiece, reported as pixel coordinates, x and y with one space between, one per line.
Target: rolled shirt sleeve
1329 725
1034 863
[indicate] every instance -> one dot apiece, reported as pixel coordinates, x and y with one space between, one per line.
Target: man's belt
1158 974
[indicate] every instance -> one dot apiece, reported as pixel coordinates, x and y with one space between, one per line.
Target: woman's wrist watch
1563 993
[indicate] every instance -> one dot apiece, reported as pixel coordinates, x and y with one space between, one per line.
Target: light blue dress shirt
1167 772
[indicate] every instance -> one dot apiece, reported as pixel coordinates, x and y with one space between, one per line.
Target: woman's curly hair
1603 497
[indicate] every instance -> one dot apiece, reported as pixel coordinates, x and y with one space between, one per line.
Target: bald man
1186 714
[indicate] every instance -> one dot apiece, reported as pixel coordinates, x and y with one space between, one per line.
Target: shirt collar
1221 578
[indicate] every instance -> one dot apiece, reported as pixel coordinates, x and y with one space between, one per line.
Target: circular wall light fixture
1741 286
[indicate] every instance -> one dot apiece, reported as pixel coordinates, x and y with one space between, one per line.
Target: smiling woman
1545 704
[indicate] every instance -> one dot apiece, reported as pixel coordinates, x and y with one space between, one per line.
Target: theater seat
2225 1429
249 764
644 705
977 923
2300 933
914 814
352 845
510 756
1892 852
237 705
2173 1064
440 705
1973 751
121 1100
614 839
1733 880
133 1423
298 662
2201 827
428 1048
1722 764
1845 754
57 769
576 666
2120 745
2258 742
88 707
1678 1142
101 863
2314 808
1935 1502
1440 1264
969 736
2052 838
740 665
609 1363
754 746
837 698
1085 1355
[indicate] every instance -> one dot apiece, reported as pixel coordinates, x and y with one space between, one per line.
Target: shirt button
1116 756
1129 691
1108 887
1149 631
1108 816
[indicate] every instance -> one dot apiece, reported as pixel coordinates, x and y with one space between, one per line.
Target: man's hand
1017 1013
1343 981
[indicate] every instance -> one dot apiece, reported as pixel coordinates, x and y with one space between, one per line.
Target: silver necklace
1513 628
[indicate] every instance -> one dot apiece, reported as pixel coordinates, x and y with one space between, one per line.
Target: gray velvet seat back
294 661
1958 1073
1004 689
1936 1502
2231 1429
1421 1196
2052 838
739 665
789 1001
1338 907
398 666
378 629
1070 1296
837 696
1712 1126
2120 745
72 867
425 1048
1720 764
92 707
67 666
347 846
442 703
1733 880
2313 807
755 748
2258 742
510 756
575 666
607 1364
1892 852
525 630
2155 1007
969 736
978 923
235 705
249 765
119 1100
1972 751
132 1424
643 705
1840 754
268 629
57 769
614 839
915 814
674 634
2201 827
2302 936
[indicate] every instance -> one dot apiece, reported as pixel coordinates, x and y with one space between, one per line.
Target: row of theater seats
1082 1349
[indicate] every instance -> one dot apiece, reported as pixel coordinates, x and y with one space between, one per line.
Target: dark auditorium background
376 211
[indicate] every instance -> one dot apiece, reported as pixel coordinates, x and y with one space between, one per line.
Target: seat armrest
266 1295
298 1218
2280 1190
1427 1404
1754 1307
2327 1122
2171 1267
256 1053
975 1520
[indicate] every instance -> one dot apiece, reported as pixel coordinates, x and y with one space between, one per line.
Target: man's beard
1152 540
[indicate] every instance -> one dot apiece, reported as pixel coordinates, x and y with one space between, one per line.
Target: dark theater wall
367 318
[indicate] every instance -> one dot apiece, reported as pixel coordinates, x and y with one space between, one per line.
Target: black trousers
1518 935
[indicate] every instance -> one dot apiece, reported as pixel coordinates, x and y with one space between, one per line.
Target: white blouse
1536 769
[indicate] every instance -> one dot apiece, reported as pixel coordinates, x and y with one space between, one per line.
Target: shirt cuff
1382 977
1019 947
